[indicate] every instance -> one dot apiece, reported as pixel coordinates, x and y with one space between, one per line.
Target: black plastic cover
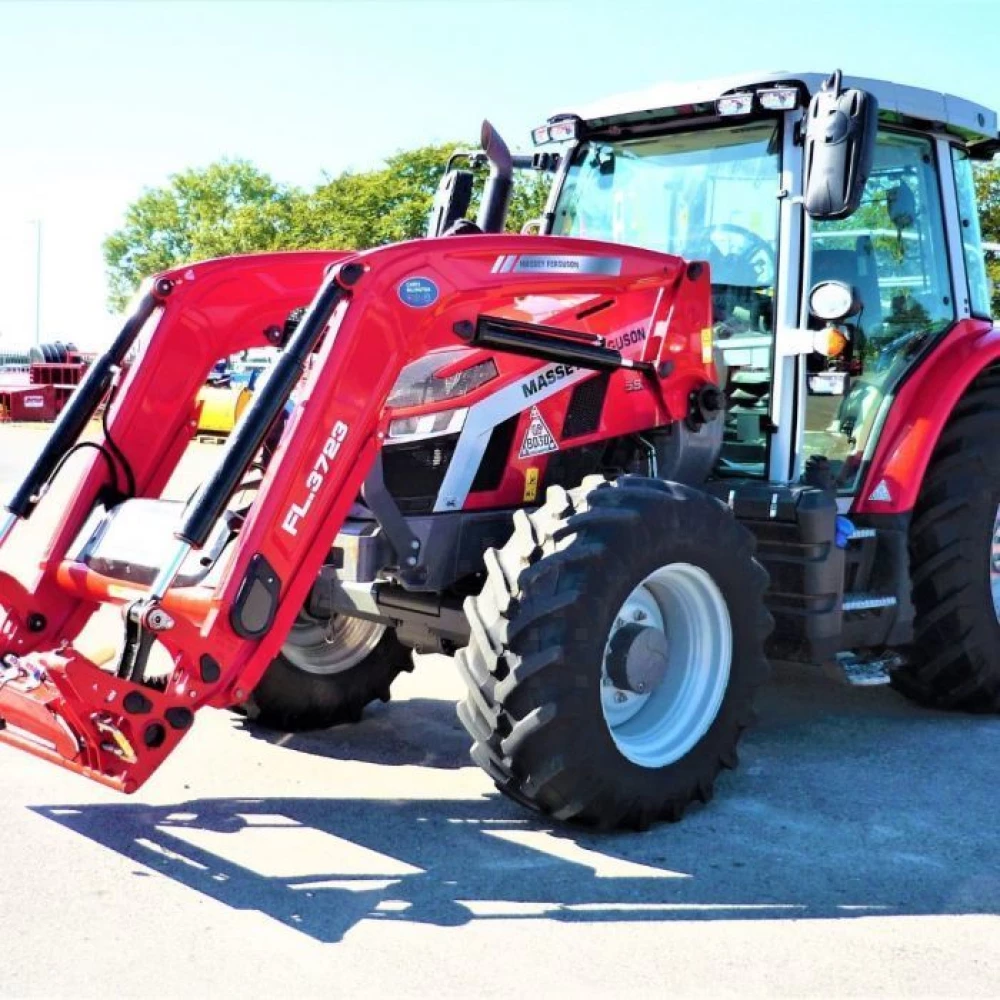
256 601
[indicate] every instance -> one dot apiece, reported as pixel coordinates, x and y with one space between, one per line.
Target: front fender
918 413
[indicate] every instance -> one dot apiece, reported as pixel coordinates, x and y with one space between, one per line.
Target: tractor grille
586 406
494 461
414 472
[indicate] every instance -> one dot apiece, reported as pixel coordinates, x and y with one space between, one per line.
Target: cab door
893 252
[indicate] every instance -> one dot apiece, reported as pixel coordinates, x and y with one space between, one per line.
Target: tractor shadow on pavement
421 732
848 803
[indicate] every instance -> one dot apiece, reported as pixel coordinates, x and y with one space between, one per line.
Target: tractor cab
839 222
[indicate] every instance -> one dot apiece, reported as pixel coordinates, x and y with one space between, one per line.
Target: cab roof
964 118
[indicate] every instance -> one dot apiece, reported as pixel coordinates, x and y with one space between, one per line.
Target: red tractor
744 375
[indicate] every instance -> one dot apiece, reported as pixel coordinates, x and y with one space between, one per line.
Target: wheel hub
637 658
329 647
666 665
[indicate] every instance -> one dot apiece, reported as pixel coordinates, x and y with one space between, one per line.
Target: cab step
868 671
868 602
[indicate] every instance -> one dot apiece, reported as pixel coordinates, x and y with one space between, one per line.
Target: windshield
708 195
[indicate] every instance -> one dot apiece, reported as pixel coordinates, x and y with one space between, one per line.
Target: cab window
892 250
972 238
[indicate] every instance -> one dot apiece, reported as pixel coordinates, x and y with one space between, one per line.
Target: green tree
231 207
988 198
355 211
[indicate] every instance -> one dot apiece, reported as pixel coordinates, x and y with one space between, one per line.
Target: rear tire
537 663
955 563
315 684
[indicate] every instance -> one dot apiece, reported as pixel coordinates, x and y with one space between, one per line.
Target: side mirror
454 195
839 148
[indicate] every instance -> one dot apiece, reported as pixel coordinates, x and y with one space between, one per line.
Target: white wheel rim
317 647
995 564
659 728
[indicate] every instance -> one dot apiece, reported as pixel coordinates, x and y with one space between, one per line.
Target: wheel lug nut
620 696
638 616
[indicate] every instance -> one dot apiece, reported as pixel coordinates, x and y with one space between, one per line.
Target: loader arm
374 312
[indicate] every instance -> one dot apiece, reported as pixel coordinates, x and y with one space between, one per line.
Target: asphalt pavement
854 852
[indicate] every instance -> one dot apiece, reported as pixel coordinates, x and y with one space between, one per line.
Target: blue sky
98 100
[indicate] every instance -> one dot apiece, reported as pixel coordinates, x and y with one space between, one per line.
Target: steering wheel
752 264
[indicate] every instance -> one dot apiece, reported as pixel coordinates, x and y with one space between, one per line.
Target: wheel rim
658 728
995 564
323 648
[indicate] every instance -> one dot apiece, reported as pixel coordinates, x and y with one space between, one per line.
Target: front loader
743 377
219 590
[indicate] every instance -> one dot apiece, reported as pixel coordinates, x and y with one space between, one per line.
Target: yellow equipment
221 408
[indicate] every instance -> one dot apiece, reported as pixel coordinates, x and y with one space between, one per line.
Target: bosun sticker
538 440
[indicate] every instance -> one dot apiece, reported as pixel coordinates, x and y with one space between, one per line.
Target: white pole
38 281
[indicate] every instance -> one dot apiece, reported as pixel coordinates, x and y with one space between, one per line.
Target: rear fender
918 414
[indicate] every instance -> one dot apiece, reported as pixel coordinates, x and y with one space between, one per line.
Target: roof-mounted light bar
558 130
744 102
735 104
779 98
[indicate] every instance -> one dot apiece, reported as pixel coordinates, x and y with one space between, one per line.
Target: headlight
419 384
427 425
832 300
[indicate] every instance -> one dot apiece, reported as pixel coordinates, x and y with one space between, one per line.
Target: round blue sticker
418 292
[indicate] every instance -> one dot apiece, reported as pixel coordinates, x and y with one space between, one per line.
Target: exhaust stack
496 197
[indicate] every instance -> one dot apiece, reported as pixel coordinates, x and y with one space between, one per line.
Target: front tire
555 720
955 563
325 676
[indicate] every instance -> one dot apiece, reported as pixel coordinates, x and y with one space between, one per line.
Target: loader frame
117 729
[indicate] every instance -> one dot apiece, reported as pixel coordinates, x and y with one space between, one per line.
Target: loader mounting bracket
143 619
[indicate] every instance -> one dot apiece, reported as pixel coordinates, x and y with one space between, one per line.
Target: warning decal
530 484
538 440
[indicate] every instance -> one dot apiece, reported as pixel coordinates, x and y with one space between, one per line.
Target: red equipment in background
30 404
62 376
37 390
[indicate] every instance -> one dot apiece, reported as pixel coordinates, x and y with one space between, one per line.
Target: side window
896 239
892 250
972 239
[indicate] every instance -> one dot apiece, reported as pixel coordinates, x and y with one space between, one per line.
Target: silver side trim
485 415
